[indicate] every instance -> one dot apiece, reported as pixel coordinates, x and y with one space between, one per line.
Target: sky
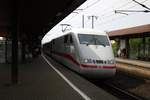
105 17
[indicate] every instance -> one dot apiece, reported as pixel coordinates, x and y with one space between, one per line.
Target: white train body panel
88 52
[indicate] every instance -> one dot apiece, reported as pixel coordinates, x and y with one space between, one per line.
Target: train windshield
93 39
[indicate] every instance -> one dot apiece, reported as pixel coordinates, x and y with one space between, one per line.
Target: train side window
66 39
53 41
71 39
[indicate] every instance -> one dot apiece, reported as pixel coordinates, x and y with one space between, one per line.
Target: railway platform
144 64
44 80
134 67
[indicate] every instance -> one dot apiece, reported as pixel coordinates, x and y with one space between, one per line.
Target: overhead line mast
96 17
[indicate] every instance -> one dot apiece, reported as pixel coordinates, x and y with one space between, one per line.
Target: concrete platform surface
145 64
39 81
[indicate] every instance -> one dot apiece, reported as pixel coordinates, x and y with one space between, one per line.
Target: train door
66 44
72 47
69 45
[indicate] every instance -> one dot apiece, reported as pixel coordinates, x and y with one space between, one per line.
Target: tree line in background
138 49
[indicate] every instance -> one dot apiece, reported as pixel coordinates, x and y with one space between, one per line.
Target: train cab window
93 39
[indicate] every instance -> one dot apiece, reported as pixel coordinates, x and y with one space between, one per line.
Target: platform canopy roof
131 31
34 17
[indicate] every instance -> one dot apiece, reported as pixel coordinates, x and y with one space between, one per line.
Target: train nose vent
99 61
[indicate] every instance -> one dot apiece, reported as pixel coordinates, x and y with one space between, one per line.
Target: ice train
86 51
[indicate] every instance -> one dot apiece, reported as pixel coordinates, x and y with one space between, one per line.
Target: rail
116 90
121 93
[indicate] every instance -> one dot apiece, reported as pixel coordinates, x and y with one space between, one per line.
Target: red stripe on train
109 67
94 66
69 57
88 66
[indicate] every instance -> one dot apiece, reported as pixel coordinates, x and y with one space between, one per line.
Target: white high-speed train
86 51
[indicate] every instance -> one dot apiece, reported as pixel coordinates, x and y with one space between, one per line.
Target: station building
134 42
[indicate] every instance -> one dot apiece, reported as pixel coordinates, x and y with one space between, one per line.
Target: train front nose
97 61
98 68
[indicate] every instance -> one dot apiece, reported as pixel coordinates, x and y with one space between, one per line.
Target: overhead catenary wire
109 11
105 11
71 17
114 19
123 11
109 15
141 4
89 6
136 4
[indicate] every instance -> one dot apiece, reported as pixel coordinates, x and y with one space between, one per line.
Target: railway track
120 93
119 85
122 85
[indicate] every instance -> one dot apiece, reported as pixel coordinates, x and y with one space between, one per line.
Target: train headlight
112 61
87 61
84 60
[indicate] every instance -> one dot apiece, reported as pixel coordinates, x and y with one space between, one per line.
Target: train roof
81 31
85 31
